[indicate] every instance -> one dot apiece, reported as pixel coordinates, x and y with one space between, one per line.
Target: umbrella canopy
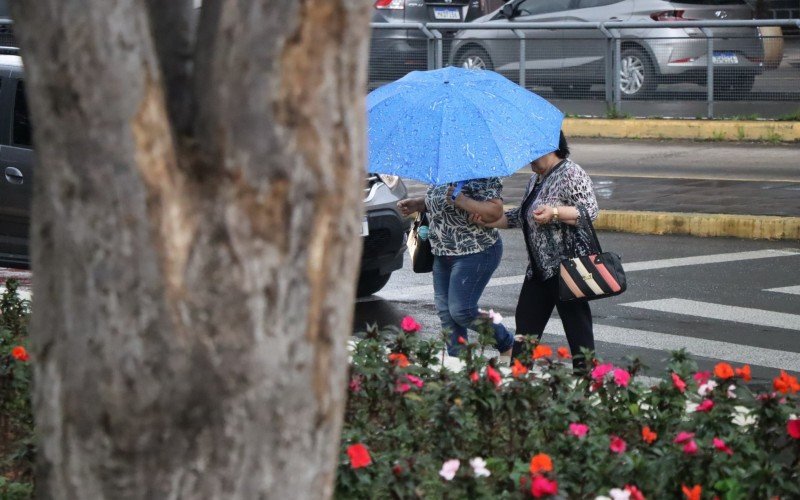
455 124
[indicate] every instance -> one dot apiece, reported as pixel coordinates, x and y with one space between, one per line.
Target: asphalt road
721 299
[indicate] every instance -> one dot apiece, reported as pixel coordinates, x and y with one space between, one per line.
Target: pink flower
705 406
702 377
410 325
355 384
793 427
542 487
707 388
496 318
683 437
415 381
578 430
621 377
678 383
402 387
690 448
619 494
721 446
600 371
449 469
617 445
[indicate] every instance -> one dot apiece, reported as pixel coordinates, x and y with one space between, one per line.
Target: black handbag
420 248
589 277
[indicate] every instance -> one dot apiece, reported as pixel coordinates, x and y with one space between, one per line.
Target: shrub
16 419
420 430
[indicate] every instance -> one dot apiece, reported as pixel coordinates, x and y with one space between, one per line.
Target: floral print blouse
450 231
567 184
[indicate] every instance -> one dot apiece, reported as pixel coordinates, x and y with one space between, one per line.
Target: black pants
535 305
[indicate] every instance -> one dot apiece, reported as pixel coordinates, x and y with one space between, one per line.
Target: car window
21 131
710 2
534 7
588 4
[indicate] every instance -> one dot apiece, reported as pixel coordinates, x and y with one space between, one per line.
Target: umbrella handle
457 190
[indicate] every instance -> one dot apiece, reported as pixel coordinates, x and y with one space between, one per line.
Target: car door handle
14 176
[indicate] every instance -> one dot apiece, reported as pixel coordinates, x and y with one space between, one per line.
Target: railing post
608 81
709 71
439 49
429 44
522 57
617 70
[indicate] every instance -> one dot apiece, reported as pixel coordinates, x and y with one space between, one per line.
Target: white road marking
794 290
415 292
746 315
24 294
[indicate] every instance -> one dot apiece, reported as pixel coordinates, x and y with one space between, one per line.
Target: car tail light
391 4
683 61
670 15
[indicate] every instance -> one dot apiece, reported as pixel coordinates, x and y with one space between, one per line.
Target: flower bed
416 429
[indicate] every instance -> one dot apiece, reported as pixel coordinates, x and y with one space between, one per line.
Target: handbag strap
584 226
586 221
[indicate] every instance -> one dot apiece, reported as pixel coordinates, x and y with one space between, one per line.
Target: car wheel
637 75
731 87
573 91
474 58
370 282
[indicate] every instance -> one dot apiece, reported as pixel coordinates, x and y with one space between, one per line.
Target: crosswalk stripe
746 315
415 292
794 290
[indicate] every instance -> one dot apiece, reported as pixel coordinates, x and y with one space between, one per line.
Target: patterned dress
567 184
450 231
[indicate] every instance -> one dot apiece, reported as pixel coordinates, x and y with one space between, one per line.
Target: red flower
19 353
359 456
690 448
744 373
721 446
617 445
493 375
678 383
723 371
636 493
694 493
786 384
410 325
462 340
542 351
543 487
702 377
563 352
541 463
648 435
399 359
683 437
793 427
518 369
473 377
705 406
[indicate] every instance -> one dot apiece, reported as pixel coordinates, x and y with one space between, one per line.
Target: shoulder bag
420 248
589 277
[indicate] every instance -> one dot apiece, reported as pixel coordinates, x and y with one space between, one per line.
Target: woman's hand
411 205
458 202
501 223
543 214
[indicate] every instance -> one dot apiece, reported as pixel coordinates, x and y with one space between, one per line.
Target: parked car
570 61
395 52
383 229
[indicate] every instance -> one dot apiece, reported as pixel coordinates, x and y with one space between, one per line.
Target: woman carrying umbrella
557 194
465 254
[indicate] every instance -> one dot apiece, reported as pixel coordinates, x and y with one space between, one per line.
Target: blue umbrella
455 124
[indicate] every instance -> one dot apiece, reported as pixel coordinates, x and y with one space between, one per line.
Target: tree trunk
195 242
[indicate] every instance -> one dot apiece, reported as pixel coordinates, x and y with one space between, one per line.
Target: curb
696 224
714 130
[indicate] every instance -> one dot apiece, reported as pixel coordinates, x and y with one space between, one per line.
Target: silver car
570 61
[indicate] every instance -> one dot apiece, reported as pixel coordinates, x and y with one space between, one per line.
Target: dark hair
563 148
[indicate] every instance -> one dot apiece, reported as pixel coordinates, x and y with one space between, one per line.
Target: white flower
479 467
705 389
618 494
732 391
602 497
449 469
496 318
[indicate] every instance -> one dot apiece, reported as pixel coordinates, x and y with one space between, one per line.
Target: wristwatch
555 214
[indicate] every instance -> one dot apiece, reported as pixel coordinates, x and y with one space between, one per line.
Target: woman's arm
580 192
489 211
501 223
411 205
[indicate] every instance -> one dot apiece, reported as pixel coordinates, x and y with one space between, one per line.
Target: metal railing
728 72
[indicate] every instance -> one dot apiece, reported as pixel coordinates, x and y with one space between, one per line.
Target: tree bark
195 242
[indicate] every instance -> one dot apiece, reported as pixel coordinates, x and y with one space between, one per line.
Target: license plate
364 227
725 58
447 13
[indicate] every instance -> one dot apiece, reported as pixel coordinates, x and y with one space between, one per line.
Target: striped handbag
594 276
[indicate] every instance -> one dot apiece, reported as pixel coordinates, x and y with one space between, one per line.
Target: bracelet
555 214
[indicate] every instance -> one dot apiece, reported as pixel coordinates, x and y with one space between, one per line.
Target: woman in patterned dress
550 220
465 254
